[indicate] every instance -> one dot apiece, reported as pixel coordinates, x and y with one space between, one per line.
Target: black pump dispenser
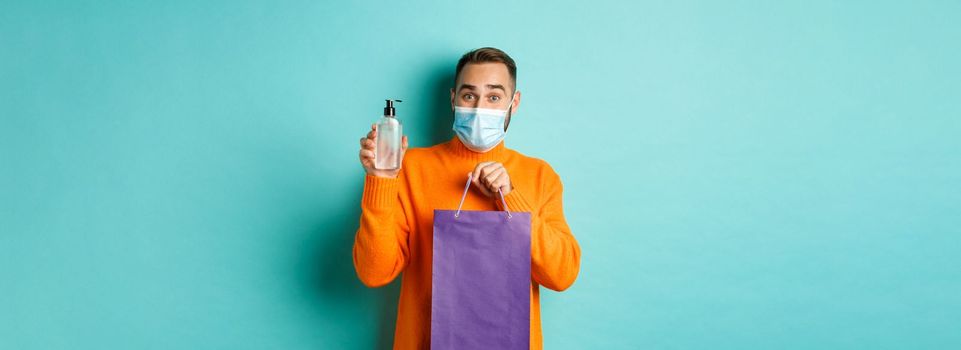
389 109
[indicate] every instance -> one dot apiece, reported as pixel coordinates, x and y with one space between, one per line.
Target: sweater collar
458 149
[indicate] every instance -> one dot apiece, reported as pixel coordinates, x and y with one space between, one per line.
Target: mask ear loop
470 177
507 120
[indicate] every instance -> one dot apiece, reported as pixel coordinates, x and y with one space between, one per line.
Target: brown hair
486 55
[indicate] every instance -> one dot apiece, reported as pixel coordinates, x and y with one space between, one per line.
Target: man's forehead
484 75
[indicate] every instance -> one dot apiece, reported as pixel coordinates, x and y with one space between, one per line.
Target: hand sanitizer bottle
389 132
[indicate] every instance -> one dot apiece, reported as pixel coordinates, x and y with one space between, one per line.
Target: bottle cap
389 110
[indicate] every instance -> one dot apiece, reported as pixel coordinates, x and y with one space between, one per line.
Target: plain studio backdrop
739 174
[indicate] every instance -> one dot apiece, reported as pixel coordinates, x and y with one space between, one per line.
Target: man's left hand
491 177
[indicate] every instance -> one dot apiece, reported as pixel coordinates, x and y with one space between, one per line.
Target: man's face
485 85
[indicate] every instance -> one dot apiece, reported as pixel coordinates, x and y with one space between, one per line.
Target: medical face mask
480 129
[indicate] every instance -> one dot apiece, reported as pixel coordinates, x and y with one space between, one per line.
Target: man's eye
468 97
495 98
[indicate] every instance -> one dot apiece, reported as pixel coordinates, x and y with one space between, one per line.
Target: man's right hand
368 145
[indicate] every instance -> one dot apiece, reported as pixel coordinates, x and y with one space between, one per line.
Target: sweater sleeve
555 254
380 245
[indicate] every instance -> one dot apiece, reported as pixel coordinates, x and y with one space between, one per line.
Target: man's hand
368 145
491 177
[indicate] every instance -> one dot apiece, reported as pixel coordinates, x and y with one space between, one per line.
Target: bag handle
467 186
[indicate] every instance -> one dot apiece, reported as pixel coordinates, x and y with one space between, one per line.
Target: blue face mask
480 129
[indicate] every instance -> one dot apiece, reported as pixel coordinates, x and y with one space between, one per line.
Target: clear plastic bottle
389 133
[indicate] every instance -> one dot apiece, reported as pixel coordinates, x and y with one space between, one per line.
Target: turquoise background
739 174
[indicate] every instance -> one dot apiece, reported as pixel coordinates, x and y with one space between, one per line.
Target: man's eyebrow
496 86
489 86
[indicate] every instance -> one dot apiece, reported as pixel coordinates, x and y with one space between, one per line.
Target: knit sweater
396 228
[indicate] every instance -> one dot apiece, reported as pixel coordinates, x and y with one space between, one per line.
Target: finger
491 184
366 153
487 176
367 144
485 191
492 173
477 170
403 148
371 134
493 166
499 182
476 182
367 162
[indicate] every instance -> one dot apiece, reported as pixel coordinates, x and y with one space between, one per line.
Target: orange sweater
396 228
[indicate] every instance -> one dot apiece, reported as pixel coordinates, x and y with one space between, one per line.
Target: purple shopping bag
481 279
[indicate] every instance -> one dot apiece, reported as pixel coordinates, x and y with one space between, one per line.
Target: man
396 224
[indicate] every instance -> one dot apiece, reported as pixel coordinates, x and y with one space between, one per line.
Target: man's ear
452 100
